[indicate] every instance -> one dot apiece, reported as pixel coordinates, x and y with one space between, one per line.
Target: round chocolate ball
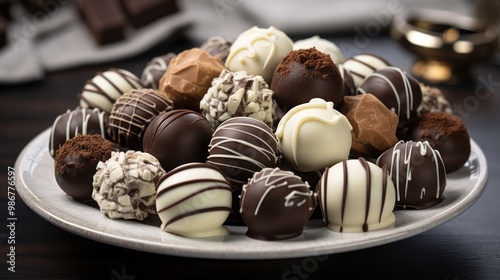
418 173
131 114
362 65
76 162
217 46
399 92
242 146
177 137
305 74
276 204
445 133
78 121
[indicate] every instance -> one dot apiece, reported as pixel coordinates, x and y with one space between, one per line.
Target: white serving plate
36 185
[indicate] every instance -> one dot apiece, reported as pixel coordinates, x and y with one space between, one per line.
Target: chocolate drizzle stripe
384 192
187 166
344 193
366 166
193 194
221 184
323 190
196 212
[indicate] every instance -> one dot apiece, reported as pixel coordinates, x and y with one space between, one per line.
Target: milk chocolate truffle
188 77
356 196
399 91
445 133
433 100
321 45
105 87
258 51
374 126
242 146
305 74
194 200
177 137
418 173
235 94
276 204
313 136
131 114
125 185
155 69
76 162
217 46
78 121
362 65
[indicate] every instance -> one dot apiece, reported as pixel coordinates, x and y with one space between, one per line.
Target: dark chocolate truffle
349 87
445 133
217 46
177 137
78 121
305 74
362 65
155 69
76 162
242 146
399 91
418 173
276 204
131 114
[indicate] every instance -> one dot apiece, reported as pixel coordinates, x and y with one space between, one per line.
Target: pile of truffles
259 131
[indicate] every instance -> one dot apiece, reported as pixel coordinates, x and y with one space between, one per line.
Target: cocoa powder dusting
319 64
89 149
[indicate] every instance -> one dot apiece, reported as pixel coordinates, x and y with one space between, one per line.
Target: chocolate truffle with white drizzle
276 204
418 173
397 90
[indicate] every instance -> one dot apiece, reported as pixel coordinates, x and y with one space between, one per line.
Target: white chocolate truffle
313 136
194 200
125 185
362 65
235 94
105 87
321 45
356 196
258 51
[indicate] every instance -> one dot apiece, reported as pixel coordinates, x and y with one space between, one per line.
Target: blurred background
40 36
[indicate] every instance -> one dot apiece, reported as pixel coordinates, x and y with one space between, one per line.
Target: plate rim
400 233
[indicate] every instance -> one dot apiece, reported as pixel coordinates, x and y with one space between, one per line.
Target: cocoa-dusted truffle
418 173
105 87
373 125
445 133
356 195
177 137
276 204
399 92
155 69
217 46
235 94
76 162
131 114
305 74
188 77
78 121
125 185
242 146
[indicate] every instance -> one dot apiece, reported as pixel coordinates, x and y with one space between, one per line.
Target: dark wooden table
468 247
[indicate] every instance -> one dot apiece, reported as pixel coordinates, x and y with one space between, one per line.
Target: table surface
468 247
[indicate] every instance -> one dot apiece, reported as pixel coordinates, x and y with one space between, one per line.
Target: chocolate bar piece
104 19
144 12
